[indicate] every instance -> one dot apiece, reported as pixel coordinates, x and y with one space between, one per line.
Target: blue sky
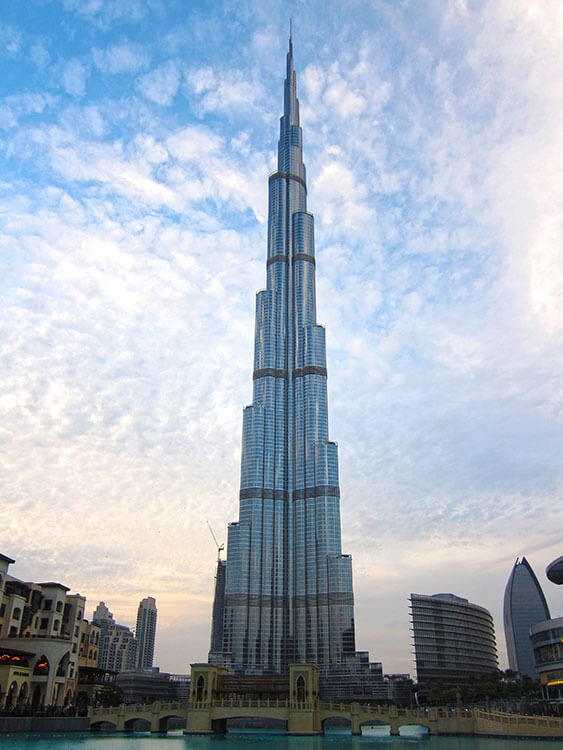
135 142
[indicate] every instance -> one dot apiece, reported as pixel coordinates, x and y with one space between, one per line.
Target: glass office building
524 605
145 632
454 640
288 589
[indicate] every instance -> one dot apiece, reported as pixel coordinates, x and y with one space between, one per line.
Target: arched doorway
22 695
36 698
200 685
62 666
11 695
300 687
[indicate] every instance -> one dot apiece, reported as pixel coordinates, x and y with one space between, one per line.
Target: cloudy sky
136 137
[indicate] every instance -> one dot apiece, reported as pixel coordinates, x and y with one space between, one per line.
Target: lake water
252 741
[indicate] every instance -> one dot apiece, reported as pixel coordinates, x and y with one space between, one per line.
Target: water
253 741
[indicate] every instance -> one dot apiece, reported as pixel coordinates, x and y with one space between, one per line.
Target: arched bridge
310 717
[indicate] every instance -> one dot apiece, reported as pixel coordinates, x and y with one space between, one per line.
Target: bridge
211 706
310 717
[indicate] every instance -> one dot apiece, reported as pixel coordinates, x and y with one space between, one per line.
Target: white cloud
223 91
74 78
120 58
40 55
10 39
161 84
131 253
13 107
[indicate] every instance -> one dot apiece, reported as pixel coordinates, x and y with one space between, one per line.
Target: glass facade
454 640
145 632
524 605
547 642
288 587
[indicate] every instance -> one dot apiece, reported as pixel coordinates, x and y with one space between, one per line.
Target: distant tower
118 647
218 611
454 640
145 632
524 606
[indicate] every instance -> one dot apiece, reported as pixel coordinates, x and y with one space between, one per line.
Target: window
59 606
43 624
47 604
17 613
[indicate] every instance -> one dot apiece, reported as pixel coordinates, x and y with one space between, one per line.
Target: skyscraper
454 640
218 615
288 588
117 646
524 606
145 632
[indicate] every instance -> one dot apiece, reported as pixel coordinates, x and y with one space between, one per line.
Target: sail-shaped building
524 606
288 594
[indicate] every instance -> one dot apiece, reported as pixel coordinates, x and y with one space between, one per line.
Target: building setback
454 640
288 587
524 605
145 632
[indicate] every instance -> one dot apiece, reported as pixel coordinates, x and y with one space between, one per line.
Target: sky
136 137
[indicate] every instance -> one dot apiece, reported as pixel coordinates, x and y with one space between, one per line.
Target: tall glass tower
288 589
524 606
145 632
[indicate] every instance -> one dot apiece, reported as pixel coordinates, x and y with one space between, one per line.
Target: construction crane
220 547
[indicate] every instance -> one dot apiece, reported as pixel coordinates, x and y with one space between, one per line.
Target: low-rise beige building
41 625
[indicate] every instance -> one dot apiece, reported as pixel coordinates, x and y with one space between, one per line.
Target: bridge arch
163 721
137 724
382 727
97 726
336 723
409 728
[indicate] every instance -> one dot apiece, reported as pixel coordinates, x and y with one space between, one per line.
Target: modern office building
145 632
288 588
454 640
118 647
547 642
524 605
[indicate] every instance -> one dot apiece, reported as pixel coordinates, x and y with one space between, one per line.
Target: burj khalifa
286 594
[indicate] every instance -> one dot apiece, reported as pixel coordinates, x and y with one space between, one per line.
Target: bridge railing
506 718
244 703
139 708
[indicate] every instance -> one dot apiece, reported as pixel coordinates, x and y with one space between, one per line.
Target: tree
109 695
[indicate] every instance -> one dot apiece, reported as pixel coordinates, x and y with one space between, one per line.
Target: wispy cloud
74 78
132 228
120 58
161 84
